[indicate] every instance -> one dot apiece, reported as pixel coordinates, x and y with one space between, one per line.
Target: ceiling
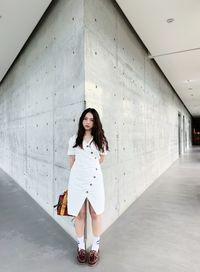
174 46
18 18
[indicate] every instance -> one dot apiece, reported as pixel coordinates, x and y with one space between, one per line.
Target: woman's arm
71 160
101 158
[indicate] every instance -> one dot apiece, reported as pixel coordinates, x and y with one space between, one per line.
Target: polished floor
160 232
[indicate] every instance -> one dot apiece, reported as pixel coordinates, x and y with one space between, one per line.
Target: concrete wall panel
138 107
40 137
65 118
41 99
84 53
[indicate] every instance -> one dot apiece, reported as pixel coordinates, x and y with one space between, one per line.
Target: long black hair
97 131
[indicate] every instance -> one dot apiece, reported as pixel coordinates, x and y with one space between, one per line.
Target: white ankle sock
81 242
95 244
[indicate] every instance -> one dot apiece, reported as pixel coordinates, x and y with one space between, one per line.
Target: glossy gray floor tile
159 232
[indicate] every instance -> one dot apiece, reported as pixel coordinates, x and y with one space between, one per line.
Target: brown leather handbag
62 206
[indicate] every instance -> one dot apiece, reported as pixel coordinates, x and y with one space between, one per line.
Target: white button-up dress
86 179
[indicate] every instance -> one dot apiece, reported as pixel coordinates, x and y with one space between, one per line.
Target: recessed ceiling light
170 20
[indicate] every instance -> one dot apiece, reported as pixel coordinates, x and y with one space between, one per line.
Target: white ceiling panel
175 46
18 18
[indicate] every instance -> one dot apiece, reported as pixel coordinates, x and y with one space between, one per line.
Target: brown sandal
81 256
93 257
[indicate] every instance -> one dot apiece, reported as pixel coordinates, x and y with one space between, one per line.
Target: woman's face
88 121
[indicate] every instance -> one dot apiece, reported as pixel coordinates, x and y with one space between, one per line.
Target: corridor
159 231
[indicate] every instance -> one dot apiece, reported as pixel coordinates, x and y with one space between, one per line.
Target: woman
86 151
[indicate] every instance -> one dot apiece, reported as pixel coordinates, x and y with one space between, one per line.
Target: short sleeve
104 152
71 150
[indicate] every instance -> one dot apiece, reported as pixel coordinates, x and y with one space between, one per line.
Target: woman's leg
80 221
96 229
80 226
96 221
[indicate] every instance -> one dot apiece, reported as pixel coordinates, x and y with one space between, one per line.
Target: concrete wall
84 50
138 107
40 102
